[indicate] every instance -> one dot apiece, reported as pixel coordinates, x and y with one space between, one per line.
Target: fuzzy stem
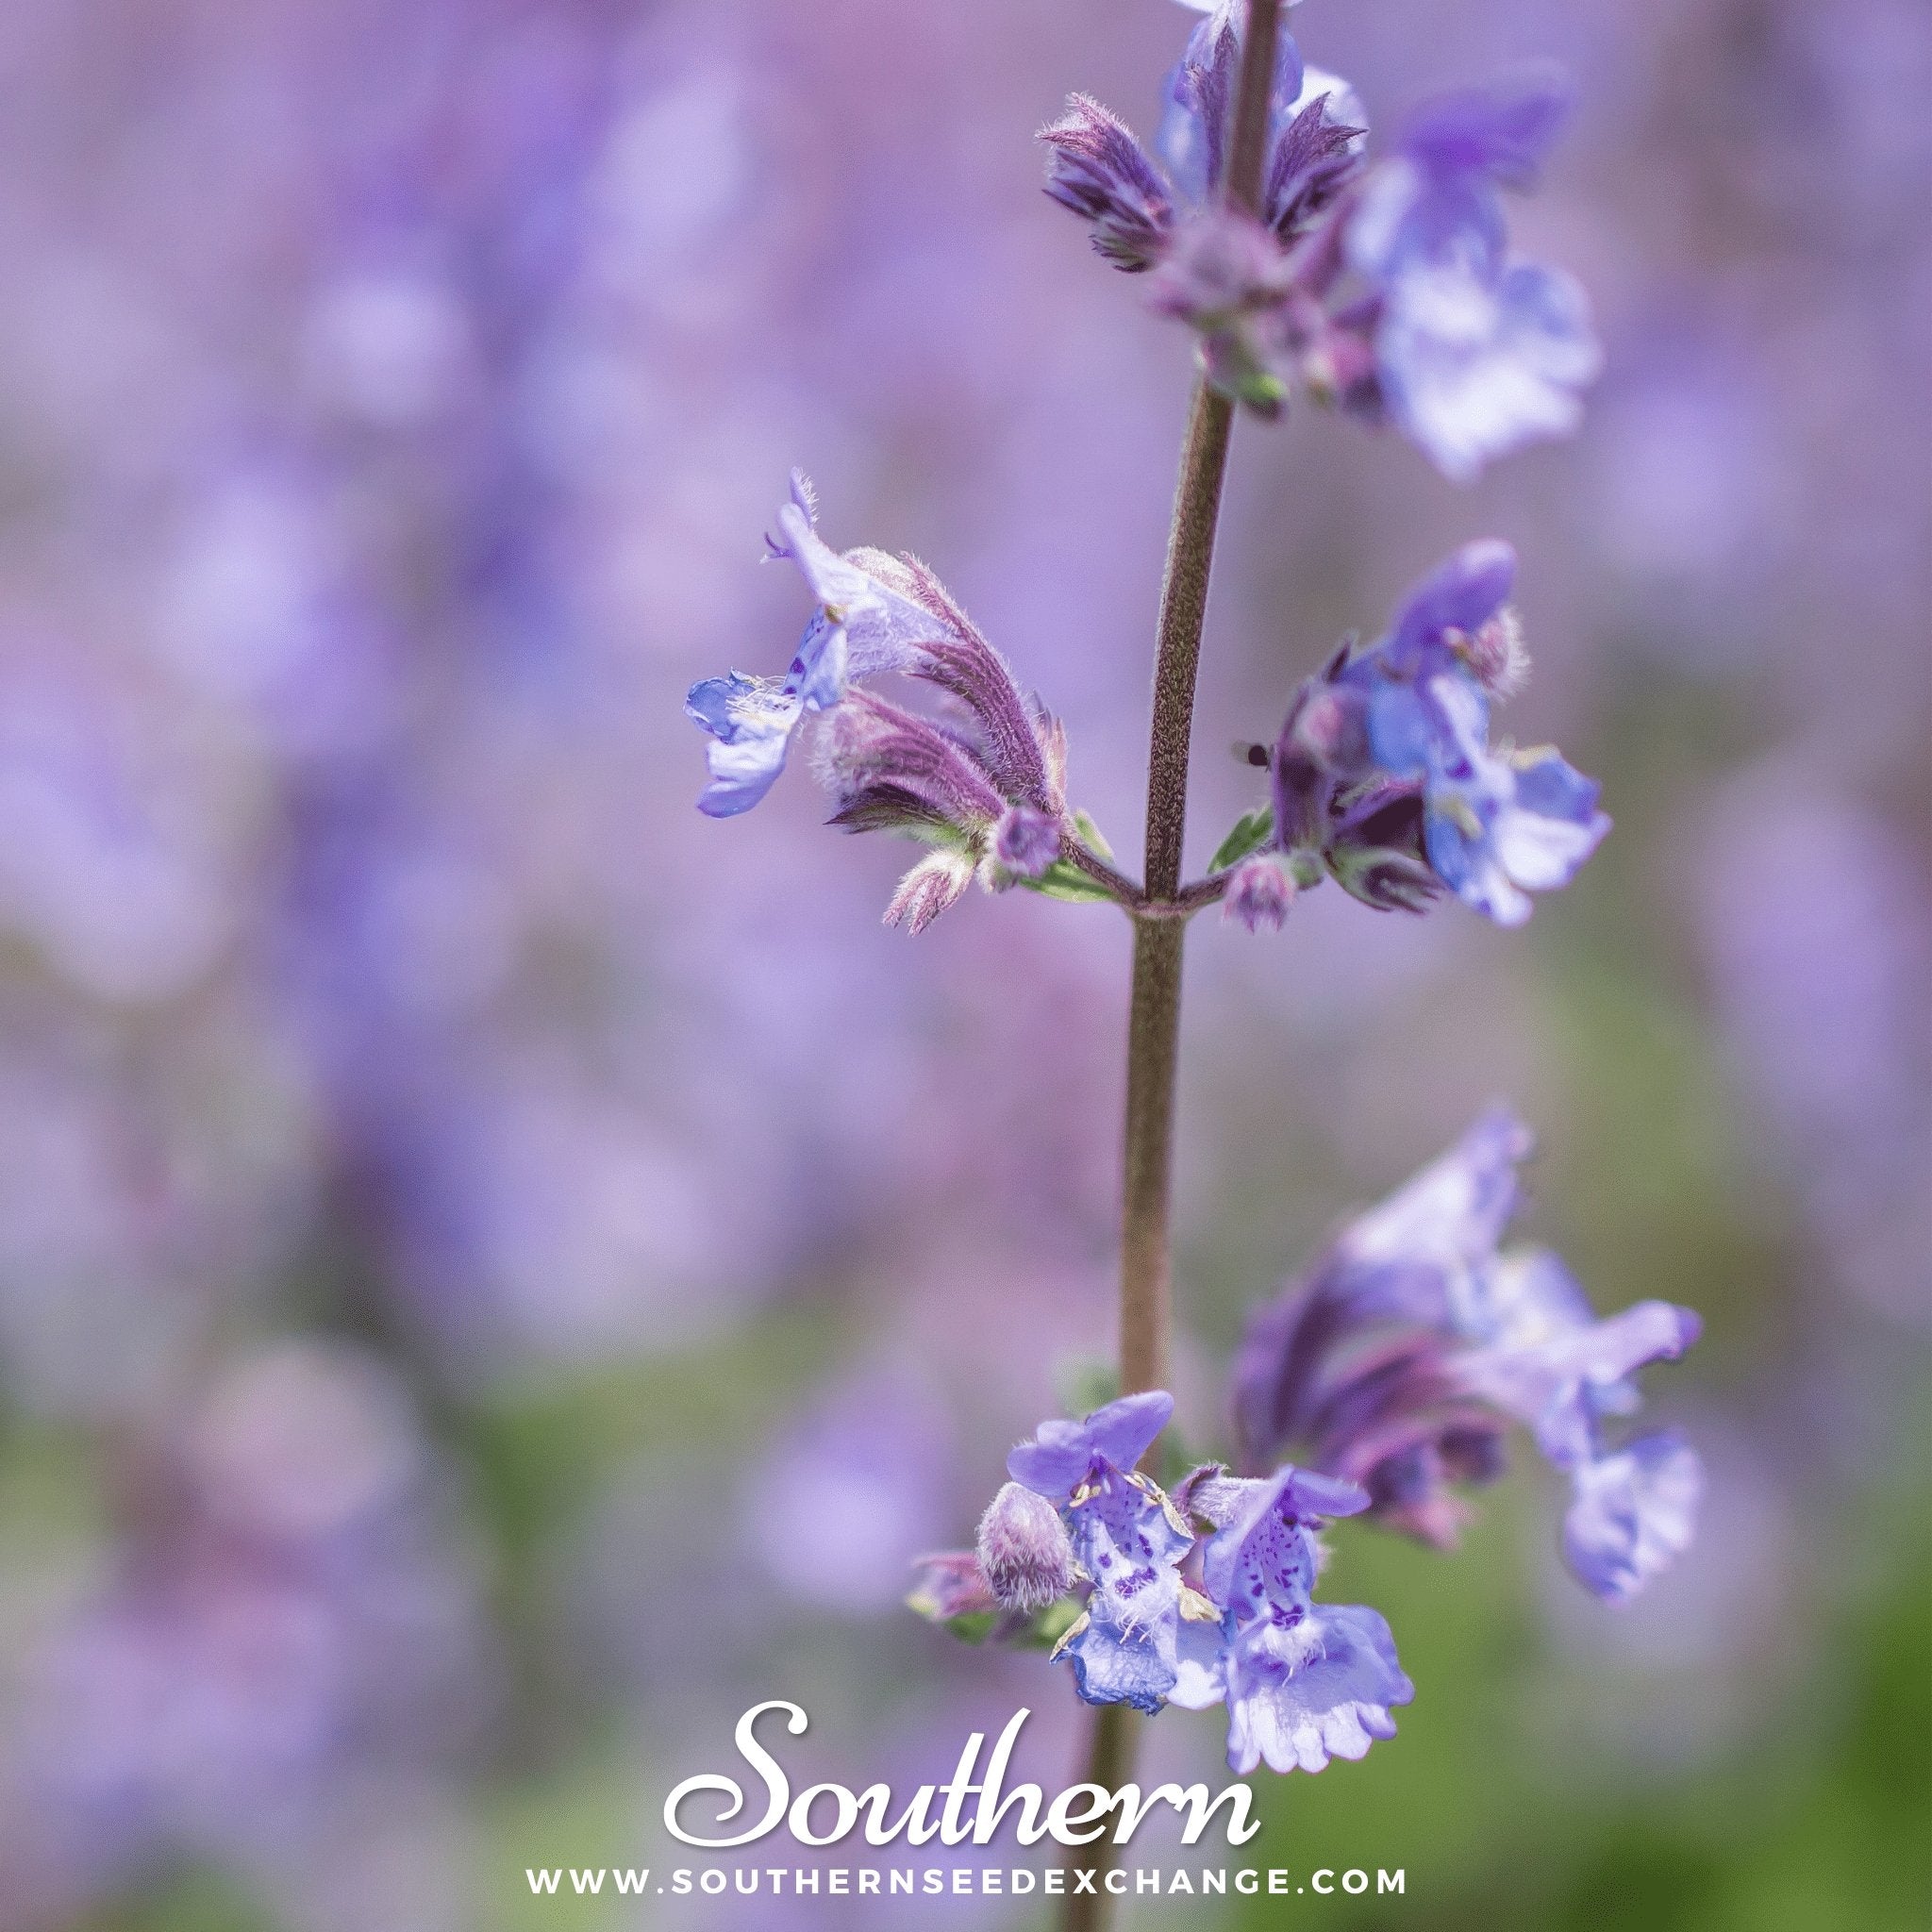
1155 1009
1154 1021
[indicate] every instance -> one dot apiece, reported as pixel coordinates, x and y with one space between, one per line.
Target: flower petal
1301 1694
1123 1431
1634 1514
750 720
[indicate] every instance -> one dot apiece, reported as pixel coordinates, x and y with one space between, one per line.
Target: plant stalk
1155 1009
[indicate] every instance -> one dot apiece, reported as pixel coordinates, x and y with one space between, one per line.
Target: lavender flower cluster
1386 289
336 960
1393 1369
1383 775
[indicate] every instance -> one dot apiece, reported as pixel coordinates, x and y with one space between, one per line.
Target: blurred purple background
462 1212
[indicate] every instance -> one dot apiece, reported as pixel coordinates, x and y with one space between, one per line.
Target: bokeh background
498 1272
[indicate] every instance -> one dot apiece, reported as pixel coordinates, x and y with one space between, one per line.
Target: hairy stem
1183 608
1154 1009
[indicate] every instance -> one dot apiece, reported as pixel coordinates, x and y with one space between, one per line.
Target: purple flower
1062 1456
1388 291
1476 353
1128 1540
1098 170
1412 1260
950 1584
863 628
983 782
1302 1682
1634 1513
1496 824
1027 841
1313 123
1226 275
1225 272
1399 1361
1384 774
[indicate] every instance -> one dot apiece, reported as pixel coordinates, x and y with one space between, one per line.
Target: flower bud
1098 170
950 1584
1259 893
932 884
1026 841
1230 278
1023 1550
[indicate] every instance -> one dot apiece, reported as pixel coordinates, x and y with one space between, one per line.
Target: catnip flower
1081 1534
1384 777
1497 824
950 1584
863 627
1386 289
1403 1356
982 782
1098 169
1304 1682
1129 1540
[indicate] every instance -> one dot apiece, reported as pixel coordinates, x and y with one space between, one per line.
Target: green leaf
1250 832
1063 881
975 1627
1050 1624
1096 842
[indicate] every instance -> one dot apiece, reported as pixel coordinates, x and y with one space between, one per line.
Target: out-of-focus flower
950 1584
847 1490
1399 1358
1477 352
289 1621
1225 274
1821 1001
1383 774
1304 1682
1387 289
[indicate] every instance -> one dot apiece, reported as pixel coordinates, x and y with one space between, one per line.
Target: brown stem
1111 1744
1160 924
1152 1036
1154 1021
1247 152
1183 609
